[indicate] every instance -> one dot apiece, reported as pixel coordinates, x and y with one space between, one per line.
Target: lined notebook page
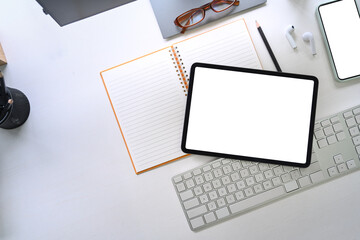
227 45
149 103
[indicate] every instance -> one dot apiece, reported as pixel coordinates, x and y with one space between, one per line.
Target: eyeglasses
196 15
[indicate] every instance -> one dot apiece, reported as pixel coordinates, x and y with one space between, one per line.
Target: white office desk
66 173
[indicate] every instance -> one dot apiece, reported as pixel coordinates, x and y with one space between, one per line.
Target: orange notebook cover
148 94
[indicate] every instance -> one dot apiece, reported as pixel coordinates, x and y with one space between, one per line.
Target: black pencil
268 47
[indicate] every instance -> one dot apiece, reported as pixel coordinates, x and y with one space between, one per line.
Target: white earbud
308 37
288 32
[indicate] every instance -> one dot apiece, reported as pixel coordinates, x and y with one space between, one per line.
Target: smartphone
340 25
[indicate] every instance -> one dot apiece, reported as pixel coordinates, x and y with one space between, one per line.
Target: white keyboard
224 188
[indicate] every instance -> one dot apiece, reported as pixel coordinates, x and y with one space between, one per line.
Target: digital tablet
249 114
340 26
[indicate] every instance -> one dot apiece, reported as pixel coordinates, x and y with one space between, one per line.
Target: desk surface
66 174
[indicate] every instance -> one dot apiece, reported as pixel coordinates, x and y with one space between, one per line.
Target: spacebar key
257 199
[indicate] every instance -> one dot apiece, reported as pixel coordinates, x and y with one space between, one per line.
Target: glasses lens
191 18
221 5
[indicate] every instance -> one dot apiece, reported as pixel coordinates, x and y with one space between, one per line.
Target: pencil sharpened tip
257 24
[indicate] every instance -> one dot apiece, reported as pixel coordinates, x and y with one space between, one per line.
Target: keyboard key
196 211
230 199
222 191
235 176
257 199
197 222
180 187
225 161
348 114
210 217
186 195
267 184
250 181
278 170
295 174
213 195
350 122
225 180
190 183
357 119
216 164
356 111
218 173
268 174
259 177
227 169
239 195
199 180
198 191
236 166
351 163
216 183
328 131
221 202
197 172
206 168
340 136
322 143
211 206
245 163
187 175
332 139
317 126
223 212
240 184
208 176
177 179
207 187
338 127
287 168
325 123
231 188
276 181
304 181
191 203
342 167
334 119
358 150
286 177
204 198
319 134
291 186
356 140
244 173
333 171
258 188
354 131
253 169
338 158
249 192
263 166
317 177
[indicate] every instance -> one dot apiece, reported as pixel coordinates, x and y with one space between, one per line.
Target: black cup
18 111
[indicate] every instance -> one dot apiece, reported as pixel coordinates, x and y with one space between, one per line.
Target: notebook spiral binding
180 68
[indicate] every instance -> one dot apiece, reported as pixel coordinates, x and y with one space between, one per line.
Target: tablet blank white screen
342 27
250 115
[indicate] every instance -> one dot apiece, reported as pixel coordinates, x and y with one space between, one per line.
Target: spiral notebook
148 94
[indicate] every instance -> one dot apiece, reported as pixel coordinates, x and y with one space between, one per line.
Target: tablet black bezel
255 71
